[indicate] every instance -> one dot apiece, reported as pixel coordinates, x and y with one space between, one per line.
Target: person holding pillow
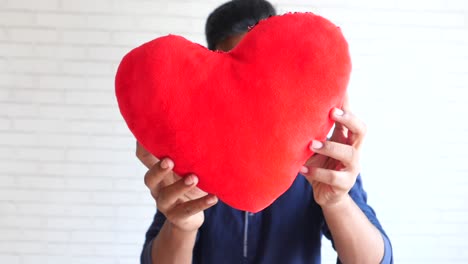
327 197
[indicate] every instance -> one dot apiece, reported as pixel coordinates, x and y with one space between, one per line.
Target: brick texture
71 189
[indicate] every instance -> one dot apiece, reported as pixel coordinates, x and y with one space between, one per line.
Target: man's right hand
177 198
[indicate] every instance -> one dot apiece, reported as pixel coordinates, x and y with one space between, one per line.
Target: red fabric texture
242 120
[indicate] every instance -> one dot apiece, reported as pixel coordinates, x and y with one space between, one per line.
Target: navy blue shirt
289 231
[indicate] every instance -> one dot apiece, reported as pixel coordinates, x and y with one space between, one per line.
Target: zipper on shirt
246 232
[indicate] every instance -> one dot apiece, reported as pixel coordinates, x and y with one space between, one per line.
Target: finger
351 122
337 179
167 196
346 154
315 160
144 156
158 172
187 209
340 132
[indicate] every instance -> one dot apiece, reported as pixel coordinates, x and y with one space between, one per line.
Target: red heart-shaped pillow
240 120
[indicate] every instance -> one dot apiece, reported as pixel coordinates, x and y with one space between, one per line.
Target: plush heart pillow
242 120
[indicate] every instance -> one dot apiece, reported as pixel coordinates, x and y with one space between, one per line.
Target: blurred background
71 188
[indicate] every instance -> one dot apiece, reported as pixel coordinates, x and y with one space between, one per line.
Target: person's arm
164 244
173 245
151 233
343 229
175 240
332 173
180 206
355 238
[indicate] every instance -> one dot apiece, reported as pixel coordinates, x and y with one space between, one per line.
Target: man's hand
332 171
144 156
177 198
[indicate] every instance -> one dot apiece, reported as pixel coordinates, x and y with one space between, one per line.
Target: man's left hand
333 170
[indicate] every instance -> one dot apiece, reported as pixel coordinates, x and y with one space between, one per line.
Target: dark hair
235 17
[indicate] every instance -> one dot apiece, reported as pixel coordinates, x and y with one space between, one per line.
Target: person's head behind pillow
228 23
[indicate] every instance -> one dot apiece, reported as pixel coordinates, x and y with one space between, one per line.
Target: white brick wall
71 190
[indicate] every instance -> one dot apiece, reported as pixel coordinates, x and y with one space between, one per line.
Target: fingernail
211 200
304 169
166 164
191 179
338 112
316 144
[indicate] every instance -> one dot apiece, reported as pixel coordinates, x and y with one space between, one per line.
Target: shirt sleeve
359 196
153 231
